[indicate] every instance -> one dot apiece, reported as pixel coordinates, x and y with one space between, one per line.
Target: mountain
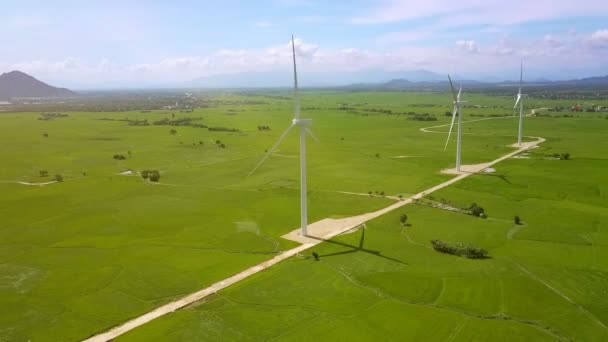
284 78
16 84
442 84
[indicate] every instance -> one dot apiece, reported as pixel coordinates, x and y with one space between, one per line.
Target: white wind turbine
520 101
456 112
303 124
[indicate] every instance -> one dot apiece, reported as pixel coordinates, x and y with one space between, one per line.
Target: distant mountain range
284 78
16 84
405 84
372 79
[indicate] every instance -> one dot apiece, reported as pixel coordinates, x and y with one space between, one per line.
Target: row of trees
459 249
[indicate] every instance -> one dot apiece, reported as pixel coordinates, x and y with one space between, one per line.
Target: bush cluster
223 129
152 175
477 211
459 249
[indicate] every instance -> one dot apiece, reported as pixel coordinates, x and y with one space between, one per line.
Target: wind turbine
520 101
456 112
303 125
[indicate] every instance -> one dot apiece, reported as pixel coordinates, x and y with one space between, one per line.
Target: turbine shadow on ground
355 249
503 177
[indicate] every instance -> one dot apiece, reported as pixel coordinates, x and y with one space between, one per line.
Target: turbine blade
452 87
296 100
451 126
312 135
517 101
459 92
272 149
521 75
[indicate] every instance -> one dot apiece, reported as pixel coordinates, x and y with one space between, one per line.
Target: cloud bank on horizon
131 43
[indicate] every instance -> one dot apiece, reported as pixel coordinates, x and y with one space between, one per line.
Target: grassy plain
545 280
80 256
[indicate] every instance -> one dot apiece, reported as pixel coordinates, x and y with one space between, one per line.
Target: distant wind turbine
456 112
303 124
520 101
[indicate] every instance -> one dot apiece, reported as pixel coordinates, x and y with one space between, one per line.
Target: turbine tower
456 112
303 125
520 101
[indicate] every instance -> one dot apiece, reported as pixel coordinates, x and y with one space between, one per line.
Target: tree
46 135
173 131
58 178
145 174
403 219
564 156
43 173
154 176
315 255
517 220
377 155
477 211
370 192
401 197
381 193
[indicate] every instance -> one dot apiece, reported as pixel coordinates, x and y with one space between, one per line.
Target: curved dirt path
30 184
317 233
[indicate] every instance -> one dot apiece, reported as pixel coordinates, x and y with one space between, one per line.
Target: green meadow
82 255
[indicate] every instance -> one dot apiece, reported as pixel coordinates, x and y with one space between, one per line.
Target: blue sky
92 43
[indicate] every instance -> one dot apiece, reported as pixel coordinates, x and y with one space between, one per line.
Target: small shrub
564 156
315 255
154 176
46 135
58 178
173 131
517 220
43 173
403 219
119 157
477 211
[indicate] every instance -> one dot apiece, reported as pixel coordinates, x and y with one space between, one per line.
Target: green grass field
81 256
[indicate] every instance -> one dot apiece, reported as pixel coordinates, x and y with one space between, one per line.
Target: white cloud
599 39
469 56
468 45
552 42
